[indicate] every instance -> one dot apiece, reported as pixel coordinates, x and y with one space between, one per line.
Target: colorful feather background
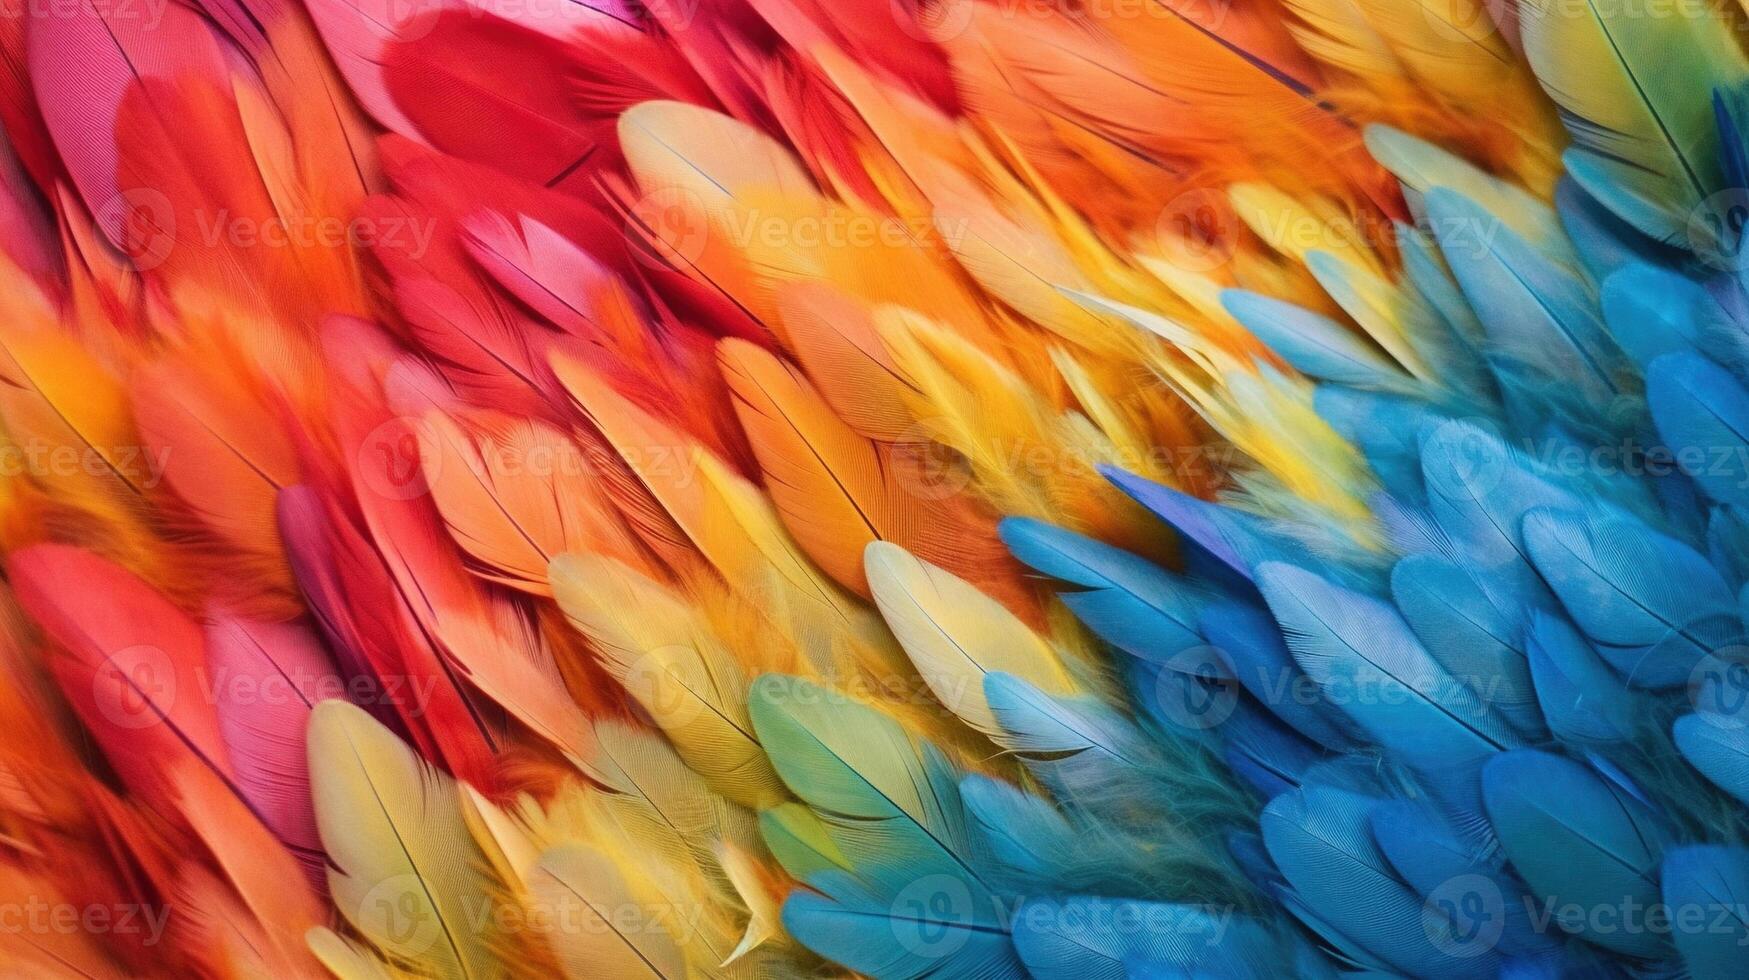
897 488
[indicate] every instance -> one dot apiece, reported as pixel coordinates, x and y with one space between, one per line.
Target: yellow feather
406 872
666 657
956 634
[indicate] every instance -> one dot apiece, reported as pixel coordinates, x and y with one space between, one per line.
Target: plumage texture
940 488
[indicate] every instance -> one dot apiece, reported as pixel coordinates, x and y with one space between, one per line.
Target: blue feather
1478 489
1315 345
1428 272
1467 890
1106 939
1582 699
1236 540
1251 643
1718 746
1651 310
1703 415
1533 308
1473 635
1345 890
1579 841
1387 428
1707 890
1652 605
1727 540
1369 663
1078 747
930 929
1132 603
1033 843
1605 242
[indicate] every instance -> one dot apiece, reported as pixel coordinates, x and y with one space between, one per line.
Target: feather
892 808
515 494
836 491
590 896
1580 696
1700 410
1619 581
1353 644
671 661
1651 311
133 667
1466 629
1644 140
267 678
1322 842
265 876
1314 345
1578 839
957 636
1179 939
1718 746
404 869
1130 602
1707 883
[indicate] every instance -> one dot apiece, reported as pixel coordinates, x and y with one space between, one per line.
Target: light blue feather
1718 746
1371 665
1251 642
1467 890
1132 603
1086 938
1315 345
1471 635
1702 412
1578 840
1651 310
1583 700
1533 308
1653 605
